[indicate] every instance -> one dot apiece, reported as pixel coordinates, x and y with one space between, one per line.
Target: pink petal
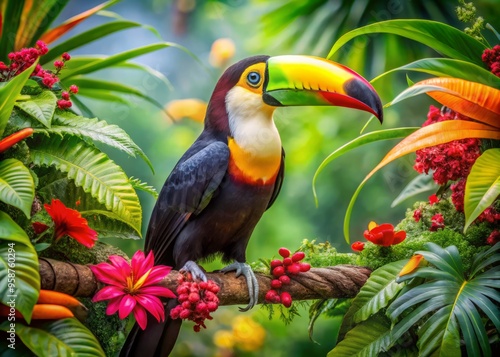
120 264
140 316
157 291
113 306
127 304
157 274
108 274
108 292
137 264
153 305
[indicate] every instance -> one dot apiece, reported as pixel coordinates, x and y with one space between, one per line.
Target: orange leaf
53 34
411 265
435 134
472 99
57 298
50 312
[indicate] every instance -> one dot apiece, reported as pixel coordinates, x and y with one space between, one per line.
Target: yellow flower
224 339
248 334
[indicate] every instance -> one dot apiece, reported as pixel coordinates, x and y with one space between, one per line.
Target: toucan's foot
196 272
253 285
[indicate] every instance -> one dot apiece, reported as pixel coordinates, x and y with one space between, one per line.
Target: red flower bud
298 256
285 253
358 246
286 299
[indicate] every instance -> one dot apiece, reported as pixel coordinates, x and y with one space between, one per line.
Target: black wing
188 190
279 180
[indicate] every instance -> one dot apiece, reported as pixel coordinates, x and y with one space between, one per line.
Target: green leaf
445 39
84 38
8 94
94 172
41 107
16 185
364 139
483 185
19 275
447 67
421 183
375 294
143 186
446 298
65 122
366 339
116 59
109 225
11 18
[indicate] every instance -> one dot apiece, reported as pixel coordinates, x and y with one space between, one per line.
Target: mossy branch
339 281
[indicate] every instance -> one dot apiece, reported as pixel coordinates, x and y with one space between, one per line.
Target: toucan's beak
304 80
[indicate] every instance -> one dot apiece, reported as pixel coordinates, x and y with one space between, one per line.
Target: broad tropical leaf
65 337
448 67
17 187
472 99
65 122
483 185
40 107
9 91
421 183
443 38
14 242
431 135
357 142
448 301
11 17
366 339
94 172
375 294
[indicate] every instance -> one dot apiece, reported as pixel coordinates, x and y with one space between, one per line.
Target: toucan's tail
158 339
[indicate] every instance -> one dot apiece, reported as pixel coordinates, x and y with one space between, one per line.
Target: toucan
233 172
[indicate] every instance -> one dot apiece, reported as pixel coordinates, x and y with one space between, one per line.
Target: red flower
493 238
133 287
70 222
437 222
39 227
384 234
433 199
417 215
358 246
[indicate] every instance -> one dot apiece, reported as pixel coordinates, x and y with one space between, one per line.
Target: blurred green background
308 134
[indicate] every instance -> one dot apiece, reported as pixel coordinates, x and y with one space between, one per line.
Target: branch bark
341 281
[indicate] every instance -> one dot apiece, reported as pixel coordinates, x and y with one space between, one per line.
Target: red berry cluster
281 271
197 300
437 222
491 58
23 59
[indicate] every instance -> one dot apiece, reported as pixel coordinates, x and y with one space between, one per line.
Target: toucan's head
264 83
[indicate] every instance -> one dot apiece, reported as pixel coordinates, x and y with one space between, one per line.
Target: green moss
324 254
68 249
109 330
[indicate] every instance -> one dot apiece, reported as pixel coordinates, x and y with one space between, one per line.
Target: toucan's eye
253 78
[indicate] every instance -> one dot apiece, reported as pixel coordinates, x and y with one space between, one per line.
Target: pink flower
384 234
133 287
73 89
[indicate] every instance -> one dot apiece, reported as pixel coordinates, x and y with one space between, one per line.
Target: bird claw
196 272
253 286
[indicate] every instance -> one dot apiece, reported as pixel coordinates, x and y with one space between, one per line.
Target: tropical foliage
49 150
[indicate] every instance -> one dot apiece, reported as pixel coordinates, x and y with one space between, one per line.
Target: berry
287 261
276 284
285 253
285 279
293 269
298 256
276 263
304 267
286 299
278 271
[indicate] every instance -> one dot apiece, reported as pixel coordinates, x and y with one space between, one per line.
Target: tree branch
341 281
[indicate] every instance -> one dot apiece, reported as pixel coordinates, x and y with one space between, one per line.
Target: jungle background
308 134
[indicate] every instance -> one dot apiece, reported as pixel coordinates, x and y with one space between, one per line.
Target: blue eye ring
253 78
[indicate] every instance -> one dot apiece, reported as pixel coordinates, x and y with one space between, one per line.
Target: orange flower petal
411 265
